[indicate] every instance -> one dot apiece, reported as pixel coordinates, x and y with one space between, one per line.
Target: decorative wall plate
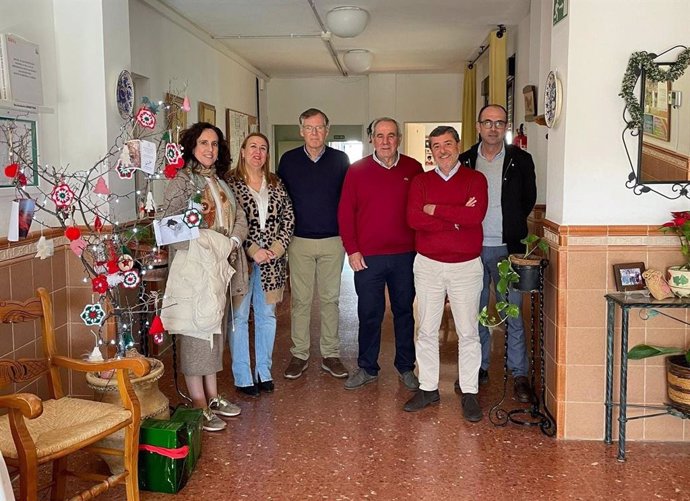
125 94
553 97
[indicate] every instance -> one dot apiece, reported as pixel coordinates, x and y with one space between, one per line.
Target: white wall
358 100
33 20
586 145
177 58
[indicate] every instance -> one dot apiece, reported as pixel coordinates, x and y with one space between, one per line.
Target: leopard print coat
280 224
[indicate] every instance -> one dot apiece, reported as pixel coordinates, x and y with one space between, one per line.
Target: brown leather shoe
334 366
295 368
522 389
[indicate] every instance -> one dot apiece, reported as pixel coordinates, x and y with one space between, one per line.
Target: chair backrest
26 370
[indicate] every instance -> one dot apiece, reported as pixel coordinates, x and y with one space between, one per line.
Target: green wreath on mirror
645 61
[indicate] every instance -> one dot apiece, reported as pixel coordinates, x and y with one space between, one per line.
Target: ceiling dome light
358 60
347 21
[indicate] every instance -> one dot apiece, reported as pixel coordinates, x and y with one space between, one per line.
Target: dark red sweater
371 214
454 233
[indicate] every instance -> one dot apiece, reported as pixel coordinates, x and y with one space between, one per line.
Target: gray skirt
196 356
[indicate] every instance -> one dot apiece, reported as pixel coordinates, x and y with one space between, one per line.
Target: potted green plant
677 372
517 271
679 276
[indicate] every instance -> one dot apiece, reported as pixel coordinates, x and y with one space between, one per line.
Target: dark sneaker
470 407
409 380
295 368
421 399
212 422
522 389
359 378
334 366
222 407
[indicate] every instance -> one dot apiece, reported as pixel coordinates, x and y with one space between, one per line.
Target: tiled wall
580 273
20 275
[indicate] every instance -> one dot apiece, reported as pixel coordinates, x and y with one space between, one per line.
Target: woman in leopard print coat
271 221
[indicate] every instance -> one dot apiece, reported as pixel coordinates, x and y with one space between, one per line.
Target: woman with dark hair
271 221
197 299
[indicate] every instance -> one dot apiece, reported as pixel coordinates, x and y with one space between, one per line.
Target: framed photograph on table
628 277
207 113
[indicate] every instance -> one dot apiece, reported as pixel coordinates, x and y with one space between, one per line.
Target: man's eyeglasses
316 128
498 124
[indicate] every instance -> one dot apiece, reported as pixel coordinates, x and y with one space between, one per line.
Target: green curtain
469 107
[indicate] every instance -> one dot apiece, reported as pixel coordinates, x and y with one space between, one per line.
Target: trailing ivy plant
645 61
507 277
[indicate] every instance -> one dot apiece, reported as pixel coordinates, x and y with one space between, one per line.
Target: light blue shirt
318 157
452 172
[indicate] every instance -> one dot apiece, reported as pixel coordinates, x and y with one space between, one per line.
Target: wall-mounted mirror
664 152
660 121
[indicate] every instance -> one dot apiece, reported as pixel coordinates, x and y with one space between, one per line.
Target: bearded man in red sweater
380 249
446 207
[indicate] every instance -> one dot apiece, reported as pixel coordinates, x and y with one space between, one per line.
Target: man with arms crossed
509 171
313 175
380 249
446 207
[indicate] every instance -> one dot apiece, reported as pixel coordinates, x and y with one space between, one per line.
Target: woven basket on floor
678 382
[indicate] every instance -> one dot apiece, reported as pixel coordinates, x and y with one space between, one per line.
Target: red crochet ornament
170 171
99 284
72 233
11 170
156 330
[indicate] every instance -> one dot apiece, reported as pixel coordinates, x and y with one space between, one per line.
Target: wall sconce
358 60
347 21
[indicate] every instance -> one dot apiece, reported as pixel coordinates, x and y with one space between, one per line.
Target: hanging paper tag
13 228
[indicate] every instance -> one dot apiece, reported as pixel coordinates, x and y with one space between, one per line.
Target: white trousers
462 282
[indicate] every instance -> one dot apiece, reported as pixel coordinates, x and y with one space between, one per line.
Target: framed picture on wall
628 276
529 93
175 116
207 113
18 144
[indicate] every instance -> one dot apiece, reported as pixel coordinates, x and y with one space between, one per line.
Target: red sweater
454 233
371 214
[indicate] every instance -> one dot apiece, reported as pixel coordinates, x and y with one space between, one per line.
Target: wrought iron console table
627 301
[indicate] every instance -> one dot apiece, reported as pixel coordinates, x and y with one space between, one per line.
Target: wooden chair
36 431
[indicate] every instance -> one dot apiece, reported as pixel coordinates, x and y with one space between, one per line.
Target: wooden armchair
36 431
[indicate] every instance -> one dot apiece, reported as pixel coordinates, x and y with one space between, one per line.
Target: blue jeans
264 334
515 330
395 272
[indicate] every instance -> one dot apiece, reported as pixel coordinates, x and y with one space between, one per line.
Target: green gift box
194 418
157 471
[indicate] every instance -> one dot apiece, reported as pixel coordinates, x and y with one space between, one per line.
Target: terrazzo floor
312 439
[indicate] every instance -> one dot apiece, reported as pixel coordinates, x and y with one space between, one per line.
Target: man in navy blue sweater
313 175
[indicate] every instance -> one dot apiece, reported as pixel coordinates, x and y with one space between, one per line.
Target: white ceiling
431 36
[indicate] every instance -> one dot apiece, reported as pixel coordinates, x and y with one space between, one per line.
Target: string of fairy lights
116 256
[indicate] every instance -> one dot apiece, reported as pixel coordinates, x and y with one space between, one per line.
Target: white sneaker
223 407
212 422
